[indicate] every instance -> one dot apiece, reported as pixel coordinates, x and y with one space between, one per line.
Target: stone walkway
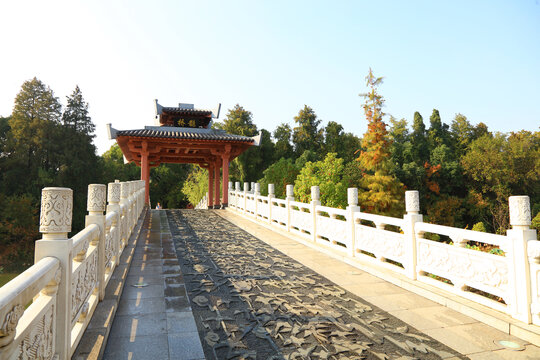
256 294
154 319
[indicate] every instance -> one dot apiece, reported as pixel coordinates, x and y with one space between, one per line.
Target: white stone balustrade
69 276
511 271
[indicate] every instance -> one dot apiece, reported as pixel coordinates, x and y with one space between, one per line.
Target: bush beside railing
68 279
508 280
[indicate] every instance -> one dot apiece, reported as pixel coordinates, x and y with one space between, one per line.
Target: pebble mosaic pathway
250 301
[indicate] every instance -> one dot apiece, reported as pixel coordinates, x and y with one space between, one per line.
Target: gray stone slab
185 346
148 279
177 303
180 322
138 347
150 291
142 306
139 325
146 270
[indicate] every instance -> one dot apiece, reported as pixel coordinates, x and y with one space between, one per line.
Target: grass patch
5 278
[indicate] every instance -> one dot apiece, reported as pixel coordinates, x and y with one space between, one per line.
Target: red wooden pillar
216 179
210 201
225 198
145 172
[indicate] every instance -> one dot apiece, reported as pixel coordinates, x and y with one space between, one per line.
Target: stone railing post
95 206
231 193
520 277
352 200
124 203
289 198
133 217
270 197
252 187
412 206
246 191
113 199
315 201
55 224
256 193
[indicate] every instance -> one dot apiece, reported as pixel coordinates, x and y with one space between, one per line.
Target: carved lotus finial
56 210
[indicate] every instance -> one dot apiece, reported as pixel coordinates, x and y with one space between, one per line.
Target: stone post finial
520 211
230 185
315 193
257 188
352 196
412 202
56 212
113 195
271 190
96 198
246 187
124 190
290 191
237 186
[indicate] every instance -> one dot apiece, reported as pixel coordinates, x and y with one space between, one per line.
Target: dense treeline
464 172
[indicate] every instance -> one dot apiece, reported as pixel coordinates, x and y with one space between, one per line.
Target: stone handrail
62 289
506 278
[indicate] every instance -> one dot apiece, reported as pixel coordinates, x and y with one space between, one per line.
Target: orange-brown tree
381 191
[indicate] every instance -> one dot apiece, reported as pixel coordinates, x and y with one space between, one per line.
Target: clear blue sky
478 58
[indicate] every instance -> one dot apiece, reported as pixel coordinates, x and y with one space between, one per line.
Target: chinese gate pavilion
183 134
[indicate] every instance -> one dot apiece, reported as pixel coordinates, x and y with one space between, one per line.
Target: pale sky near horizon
478 58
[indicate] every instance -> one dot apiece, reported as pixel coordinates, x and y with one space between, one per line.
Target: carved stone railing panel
464 267
262 208
279 213
83 283
250 204
301 220
333 229
383 244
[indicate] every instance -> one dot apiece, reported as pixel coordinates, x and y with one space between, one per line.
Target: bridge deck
201 287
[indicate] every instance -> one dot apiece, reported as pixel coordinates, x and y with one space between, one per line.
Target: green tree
283 148
76 114
339 142
328 175
380 192
419 140
196 185
281 173
35 139
167 183
438 133
307 135
239 121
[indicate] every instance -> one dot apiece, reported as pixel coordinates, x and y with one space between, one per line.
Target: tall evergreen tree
419 140
76 114
283 148
382 191
307 135
438 133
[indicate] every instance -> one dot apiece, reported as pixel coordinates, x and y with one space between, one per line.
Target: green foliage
339 142
166 185
307 135
283 147
328 174
479 226
196 185
281 173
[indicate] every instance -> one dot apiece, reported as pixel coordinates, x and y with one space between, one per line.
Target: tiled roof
167 134
176 110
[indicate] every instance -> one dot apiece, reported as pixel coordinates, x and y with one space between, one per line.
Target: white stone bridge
269 278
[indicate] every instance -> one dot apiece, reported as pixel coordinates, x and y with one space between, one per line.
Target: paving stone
142 306
149 291
185 346
180 322
176 303
139 325
140 347
432 317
